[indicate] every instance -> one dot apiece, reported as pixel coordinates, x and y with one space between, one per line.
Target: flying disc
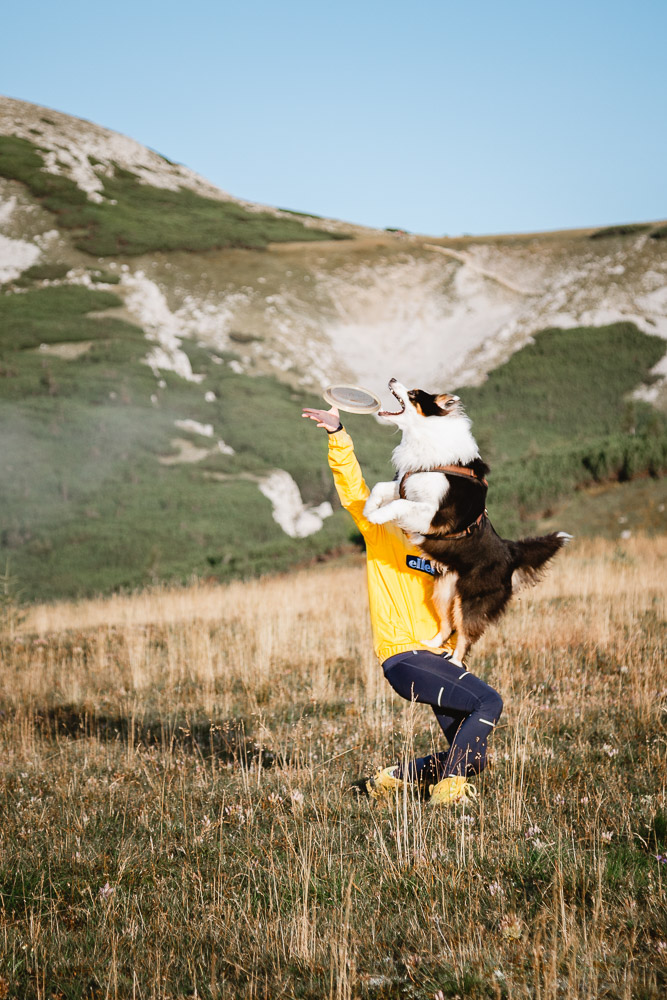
352 399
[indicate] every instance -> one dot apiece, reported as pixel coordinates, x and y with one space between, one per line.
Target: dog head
435 429
415 404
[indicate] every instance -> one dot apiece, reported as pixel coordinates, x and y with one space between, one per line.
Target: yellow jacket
400 581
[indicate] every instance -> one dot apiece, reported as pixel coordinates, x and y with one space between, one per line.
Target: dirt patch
186 452
67 350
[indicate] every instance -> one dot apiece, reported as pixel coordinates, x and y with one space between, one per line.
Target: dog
439 499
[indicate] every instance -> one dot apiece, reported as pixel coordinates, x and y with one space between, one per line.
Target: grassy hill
88 506
157 346
135 218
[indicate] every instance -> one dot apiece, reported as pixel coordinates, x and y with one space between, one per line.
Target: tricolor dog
439 498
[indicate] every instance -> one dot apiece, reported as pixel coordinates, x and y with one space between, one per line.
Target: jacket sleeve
349 481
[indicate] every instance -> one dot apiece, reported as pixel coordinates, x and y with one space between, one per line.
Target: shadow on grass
225 741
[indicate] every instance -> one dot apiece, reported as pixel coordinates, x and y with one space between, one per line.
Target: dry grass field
145 853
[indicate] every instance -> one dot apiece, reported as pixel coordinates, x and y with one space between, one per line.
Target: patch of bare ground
145 868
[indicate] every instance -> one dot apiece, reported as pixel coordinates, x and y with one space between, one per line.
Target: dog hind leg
443 596
470 624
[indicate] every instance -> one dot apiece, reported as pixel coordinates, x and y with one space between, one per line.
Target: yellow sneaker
383 784
451 791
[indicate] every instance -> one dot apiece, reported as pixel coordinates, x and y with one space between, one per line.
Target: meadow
177 821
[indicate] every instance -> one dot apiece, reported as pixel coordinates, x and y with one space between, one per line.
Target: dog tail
531 556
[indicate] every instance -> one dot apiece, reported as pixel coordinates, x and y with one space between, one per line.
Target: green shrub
625 229
104 277
565 388
52 315
42 272
521 488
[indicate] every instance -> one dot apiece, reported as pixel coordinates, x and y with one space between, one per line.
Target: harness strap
466 531
451 470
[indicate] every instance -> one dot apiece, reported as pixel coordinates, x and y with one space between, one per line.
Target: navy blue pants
466 708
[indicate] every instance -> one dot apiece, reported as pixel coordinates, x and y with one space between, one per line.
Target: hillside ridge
432 310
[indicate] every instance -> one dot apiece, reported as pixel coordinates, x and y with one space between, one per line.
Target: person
400 586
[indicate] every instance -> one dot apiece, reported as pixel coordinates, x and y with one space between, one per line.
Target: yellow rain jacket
400 583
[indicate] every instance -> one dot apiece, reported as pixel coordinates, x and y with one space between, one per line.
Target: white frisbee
352 399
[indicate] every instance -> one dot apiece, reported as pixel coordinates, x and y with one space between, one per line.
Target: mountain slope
158 338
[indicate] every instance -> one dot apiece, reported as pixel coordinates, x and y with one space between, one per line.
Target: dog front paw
378 515
370 507
380 495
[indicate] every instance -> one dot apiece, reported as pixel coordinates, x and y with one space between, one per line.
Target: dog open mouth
393 413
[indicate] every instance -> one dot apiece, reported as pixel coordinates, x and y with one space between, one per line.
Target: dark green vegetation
41 272
160 873
138 218
54 315
630 229
566 387
624 229
87 505
556 416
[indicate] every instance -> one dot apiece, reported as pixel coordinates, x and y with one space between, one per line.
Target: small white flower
559 800
610 750
106 891
495 889
607 835
234 814
466 819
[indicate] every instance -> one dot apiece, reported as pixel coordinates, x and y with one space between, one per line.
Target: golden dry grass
151 871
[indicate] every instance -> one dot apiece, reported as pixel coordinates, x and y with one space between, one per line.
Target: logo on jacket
421 564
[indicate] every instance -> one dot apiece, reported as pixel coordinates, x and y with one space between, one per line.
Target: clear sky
431 115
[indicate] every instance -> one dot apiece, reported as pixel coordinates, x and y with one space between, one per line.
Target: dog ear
446 402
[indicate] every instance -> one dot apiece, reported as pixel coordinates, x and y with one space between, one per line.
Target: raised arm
348 478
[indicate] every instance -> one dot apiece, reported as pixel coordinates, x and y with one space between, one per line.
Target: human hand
328 419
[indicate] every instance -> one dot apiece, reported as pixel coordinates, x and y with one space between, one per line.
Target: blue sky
438 117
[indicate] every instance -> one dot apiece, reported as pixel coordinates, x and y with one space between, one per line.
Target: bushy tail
532 554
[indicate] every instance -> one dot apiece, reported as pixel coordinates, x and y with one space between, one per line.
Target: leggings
466 708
